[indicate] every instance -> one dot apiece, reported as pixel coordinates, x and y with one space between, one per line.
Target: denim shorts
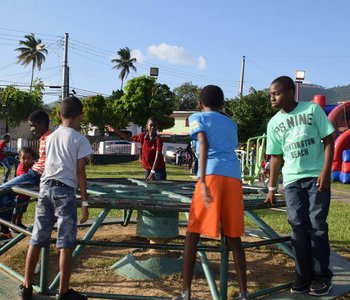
55 204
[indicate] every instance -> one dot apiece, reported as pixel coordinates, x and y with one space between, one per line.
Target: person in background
151 150
6 157
26 158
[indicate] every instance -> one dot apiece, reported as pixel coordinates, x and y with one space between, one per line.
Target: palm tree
125 63
31 53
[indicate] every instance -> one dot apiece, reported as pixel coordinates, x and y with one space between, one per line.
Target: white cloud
202 64
176 55
138 55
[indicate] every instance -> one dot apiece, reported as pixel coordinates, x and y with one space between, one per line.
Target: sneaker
22 226
71 295
5 236
320 287
25 293
183 296
300 285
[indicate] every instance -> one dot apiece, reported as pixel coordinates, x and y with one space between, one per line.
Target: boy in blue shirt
218 198
300 135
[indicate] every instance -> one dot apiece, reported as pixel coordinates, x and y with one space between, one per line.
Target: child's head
282 92
26 156
39 122
211 96
152 125
71 107
6 138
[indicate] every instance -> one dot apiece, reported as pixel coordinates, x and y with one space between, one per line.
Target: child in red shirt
26 157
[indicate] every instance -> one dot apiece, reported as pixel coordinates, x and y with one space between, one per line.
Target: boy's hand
207 198
270 198
85 214
324 181
150 177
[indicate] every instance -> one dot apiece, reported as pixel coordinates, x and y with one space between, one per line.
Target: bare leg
65 269
235 245
189 260
31 261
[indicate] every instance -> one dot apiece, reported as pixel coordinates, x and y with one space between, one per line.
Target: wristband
84 203
153 172
272 189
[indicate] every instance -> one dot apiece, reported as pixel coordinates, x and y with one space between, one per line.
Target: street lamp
299 78
154 72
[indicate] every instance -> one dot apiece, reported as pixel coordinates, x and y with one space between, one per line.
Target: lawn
338 219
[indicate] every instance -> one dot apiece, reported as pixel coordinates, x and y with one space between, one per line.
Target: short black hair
27 150
153 119
39 116
71 107
286 82
6 135
211 96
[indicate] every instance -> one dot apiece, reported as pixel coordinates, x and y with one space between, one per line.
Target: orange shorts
226 210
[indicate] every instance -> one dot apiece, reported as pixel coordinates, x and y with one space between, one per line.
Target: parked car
117 147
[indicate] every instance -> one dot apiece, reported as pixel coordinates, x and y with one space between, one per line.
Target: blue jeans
8 162
55 203
7 198
307 210
158 175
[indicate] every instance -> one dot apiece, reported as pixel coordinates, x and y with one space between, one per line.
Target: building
181 126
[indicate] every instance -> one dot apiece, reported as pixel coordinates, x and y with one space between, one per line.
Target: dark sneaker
183 296
25 293
320 287
5 237
300 285
22 226
71 295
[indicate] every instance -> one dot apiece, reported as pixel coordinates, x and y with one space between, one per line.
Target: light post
299 78
154 72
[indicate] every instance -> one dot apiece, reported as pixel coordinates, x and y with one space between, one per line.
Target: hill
333 95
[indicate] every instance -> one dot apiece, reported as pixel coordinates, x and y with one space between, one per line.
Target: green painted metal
161 196
157 224
268 231
44 270
12 243
98 222
224 268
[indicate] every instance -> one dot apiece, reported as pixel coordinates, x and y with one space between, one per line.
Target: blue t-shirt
221 133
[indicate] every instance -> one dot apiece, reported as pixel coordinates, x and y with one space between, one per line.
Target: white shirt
64 147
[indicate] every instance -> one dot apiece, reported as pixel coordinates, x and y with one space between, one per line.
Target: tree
31 53
124 63
144 97
251 113
187 96
16 105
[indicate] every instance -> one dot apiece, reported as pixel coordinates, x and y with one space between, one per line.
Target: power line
14 30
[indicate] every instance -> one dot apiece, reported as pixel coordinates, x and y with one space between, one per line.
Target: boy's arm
203 156
275 167
122 134
81 176
324 180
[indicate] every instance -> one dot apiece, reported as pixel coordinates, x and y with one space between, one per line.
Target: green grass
338 219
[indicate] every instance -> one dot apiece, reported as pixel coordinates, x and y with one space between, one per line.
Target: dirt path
343 196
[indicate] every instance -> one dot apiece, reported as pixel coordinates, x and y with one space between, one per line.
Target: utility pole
65 78
242 77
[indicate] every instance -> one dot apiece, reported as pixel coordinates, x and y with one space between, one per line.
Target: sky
198 41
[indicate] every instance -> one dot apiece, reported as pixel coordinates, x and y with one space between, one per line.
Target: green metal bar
97 223
12 272
124 297
44 270
127 213
12 243
268 231
223 268
207 270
